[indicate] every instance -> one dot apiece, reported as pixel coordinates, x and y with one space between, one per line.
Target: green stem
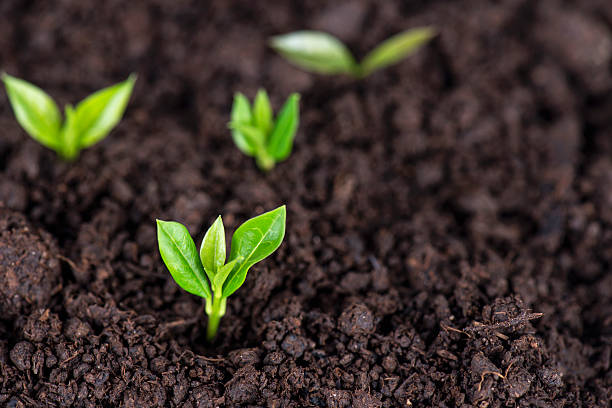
358 72
215 310
264 161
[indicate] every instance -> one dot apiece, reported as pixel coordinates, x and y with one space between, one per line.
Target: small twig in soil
72 357
447 355
211 359
421 352
482 377
503 377
70 262
180 322
21 258
522 318
29 400
57 289
508 369
501 335
449 328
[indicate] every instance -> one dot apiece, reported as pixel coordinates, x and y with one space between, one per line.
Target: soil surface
449 237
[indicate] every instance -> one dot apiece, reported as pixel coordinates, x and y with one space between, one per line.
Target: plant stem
264 161
217 310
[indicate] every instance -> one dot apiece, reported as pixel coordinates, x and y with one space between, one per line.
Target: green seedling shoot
255 132
323 53
84 125
208 275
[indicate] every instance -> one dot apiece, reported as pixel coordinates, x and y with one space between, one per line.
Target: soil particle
362 399
357 319
274 358
29 271
245 357
158 364
551 377
294 345
337 398
518 382
40 325
77 329
21 355
243 388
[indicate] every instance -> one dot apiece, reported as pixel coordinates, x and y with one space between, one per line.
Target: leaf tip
432 31
131 81
273 41
427 33
6 78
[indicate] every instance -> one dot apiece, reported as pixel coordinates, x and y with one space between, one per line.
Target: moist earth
449 231
29 268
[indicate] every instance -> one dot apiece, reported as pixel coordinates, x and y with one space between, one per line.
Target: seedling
88 123
256 134
208 276
323 53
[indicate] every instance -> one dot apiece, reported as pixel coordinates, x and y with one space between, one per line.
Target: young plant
323 53
256 134
84 125
208 275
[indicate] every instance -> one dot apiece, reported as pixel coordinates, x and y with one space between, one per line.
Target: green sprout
86 124
323 53
256 134
208 275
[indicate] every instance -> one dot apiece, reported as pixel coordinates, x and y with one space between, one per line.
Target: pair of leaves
323 53
197 273
84 125
257 135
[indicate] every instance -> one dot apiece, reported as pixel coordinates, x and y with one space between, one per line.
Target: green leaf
281 139
180 255
315 51
252 135
262 112
100 112
396 48
241 115
69 136
212 250
253 241
35 111
222 274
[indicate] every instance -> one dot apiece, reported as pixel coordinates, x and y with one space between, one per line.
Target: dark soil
449 237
